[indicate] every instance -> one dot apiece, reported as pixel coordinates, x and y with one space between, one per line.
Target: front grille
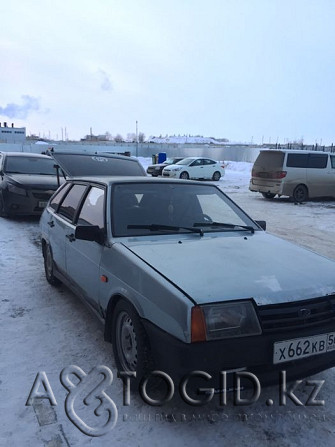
297 315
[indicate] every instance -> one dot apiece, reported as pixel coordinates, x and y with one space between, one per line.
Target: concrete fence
221 153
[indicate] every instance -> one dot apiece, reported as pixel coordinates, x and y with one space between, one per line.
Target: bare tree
131 137
118 138
141 137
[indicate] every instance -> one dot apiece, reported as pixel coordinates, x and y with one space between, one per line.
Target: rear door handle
51 223
71 237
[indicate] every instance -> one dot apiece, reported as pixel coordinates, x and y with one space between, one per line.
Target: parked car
297 174
27 181
195 168
184 280
157 169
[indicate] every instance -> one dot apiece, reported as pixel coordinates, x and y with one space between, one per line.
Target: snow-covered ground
48 329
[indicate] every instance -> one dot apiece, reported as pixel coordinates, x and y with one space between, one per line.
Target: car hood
34 181
158 165
235 265
169 167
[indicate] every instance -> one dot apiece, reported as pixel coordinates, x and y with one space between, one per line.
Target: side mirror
262 224
89 233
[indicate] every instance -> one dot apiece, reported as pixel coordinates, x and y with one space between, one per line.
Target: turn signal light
198 325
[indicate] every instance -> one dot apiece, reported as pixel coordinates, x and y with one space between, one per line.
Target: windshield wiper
157 227
225 225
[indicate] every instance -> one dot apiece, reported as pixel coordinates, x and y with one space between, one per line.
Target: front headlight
176 168
224 320
16 190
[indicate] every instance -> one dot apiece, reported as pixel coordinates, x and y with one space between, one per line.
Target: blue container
161 157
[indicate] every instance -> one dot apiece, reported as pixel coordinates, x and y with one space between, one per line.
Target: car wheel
184 175
300 194
216 176
49 266
130 343
268 195
3 212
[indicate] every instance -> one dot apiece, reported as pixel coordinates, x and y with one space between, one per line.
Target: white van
297 174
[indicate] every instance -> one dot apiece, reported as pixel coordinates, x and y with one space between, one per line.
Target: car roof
296 151
136 179
25 154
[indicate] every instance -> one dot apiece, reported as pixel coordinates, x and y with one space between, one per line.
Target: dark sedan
157 169
27 181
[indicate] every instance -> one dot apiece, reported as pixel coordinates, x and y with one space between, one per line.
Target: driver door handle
51 223
71 237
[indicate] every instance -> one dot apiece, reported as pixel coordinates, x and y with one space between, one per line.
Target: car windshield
139 209
30 165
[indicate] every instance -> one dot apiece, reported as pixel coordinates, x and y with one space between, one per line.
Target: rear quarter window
57 198
70 204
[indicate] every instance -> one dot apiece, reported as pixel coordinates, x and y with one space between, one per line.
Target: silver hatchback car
184 280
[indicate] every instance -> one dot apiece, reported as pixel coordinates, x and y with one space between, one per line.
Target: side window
332 160
207 161
92 211
57 198
318 161
297 160
196 163
71 201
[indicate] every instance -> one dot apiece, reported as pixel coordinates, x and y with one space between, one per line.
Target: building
12 134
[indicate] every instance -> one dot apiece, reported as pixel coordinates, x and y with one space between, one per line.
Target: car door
196 169
332 175
83 257
209 168
61 211
317 175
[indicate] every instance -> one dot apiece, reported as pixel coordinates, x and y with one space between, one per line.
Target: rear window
98 165
270 160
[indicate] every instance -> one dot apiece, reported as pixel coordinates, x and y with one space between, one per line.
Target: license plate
298 348
42 204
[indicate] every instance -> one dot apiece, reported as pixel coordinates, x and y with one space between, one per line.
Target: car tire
49 266
300 194
268 195
130 342
184 175
3 212
216 176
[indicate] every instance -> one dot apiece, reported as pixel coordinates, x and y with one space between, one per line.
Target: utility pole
136 139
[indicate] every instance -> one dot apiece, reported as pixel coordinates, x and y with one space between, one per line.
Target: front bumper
252 354
33 203
171 174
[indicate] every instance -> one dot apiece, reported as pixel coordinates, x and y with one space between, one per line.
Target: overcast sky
247 70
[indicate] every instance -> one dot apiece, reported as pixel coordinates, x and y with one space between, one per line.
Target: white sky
240 69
